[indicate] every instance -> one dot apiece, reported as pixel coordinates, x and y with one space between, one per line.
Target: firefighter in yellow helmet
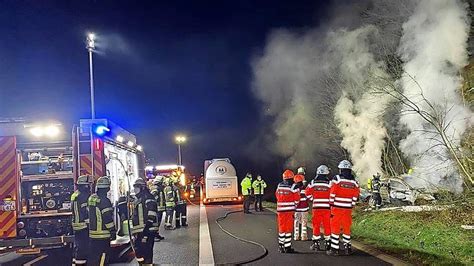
101 223
170 203
144 222
158 192
80 219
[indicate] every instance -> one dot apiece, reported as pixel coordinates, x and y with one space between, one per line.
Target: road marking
35 260
367 249
206 256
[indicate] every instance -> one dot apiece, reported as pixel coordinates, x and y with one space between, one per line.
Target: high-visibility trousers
285 222
321 217
285 228
300 222
340 218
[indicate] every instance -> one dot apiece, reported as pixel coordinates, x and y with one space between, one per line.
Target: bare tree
434 115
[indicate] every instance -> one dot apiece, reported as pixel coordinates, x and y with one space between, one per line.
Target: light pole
180 139
91 48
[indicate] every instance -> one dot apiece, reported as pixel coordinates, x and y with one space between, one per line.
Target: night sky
161 68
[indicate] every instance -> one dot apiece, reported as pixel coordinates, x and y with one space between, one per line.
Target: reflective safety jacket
180 199
287 196
101 222
318 192
246 185
144 216
344 192
376 185
80 215
159 195
170 197
303 203
259 187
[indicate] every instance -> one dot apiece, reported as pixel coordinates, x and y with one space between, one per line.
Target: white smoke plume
434 50
317 86
291 78
360 110
286 79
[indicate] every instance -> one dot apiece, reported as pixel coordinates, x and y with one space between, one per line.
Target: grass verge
430 238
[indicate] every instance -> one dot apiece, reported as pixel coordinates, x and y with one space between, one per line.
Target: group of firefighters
94 226
332 202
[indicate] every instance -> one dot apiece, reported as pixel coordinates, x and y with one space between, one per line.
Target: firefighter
344 193
170 203
144 222
301 171
375 186
159 195
259 186
101 223
287 196
246 186
318 192
302 208
181 206
80 219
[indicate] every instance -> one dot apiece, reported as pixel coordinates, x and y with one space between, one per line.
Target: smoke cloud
434 49
316 87
320 87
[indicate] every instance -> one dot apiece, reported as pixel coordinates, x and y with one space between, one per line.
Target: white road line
29 263
206 256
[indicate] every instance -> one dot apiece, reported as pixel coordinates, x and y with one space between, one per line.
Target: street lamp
91 48
180 139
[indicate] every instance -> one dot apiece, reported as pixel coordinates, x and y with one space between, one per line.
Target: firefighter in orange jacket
287 196
344 193
318 191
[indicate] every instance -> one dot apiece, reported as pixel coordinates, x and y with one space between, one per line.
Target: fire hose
262 247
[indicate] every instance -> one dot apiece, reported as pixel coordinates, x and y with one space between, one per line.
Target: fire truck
104 148
36 182
166 170
38 168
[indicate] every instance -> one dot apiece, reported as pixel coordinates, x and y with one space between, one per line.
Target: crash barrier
259 257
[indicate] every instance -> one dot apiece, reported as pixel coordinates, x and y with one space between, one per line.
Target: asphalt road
261 228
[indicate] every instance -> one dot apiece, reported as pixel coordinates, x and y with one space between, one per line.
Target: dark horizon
160 69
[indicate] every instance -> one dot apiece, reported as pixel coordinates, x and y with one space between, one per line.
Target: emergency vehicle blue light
101 130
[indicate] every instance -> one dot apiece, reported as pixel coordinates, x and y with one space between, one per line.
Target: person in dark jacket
101 223
80 219
144 222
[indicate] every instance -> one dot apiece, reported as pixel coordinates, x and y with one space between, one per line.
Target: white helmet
301 170
322 170
345 164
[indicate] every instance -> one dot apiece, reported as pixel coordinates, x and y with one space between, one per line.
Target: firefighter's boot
289 250
281 248
315 245
347 249
333 252
327 244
